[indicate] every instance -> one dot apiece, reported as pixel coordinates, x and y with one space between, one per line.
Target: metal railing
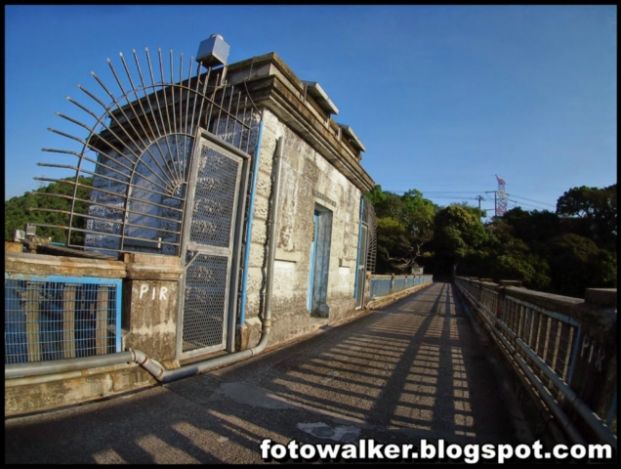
382 285
59 317
564 356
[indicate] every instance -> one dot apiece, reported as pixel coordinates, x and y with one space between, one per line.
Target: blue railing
382 285
58 317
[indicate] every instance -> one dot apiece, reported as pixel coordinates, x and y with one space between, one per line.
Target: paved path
414 370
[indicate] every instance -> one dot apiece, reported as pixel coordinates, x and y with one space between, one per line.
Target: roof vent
213 51
324 101
352 137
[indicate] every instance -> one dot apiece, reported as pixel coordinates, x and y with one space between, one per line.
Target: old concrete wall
151 299
36 394
40 264
150 313
306 179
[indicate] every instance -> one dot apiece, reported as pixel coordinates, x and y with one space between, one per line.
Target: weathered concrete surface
413 370
35 394
41 264
151 296
307 178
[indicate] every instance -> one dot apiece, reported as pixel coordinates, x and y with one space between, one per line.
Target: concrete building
217 200
316 212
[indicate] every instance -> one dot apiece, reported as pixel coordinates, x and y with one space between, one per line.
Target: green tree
597 208
17 210
418 215
458 232
577 263
512 257
405 226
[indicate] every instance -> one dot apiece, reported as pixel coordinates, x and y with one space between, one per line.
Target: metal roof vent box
213 51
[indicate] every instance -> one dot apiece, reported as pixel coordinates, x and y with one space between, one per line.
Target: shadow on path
413 370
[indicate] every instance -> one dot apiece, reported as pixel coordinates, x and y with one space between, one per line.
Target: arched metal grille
127 186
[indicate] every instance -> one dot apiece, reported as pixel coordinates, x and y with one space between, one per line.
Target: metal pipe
22 370
253 190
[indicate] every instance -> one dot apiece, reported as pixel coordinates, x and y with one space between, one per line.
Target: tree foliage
404 226
17 210
596 210
458 233
563 252
577 262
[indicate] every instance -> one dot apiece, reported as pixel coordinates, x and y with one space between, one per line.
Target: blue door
319 262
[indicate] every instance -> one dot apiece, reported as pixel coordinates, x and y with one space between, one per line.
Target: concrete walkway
414 370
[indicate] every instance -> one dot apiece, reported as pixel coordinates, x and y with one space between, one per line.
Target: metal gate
162 169
212 231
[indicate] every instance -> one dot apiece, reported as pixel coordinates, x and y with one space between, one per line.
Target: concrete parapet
47 392
151 298
41 265
606 297
391 298
10 246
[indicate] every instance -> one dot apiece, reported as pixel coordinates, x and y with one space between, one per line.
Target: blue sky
443 97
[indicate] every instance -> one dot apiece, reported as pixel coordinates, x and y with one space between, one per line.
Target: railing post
594 368
69 321
501 289
32 322
101 320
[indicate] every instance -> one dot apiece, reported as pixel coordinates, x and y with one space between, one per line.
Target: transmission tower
501 197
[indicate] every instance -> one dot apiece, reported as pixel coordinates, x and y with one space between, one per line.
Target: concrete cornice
273 85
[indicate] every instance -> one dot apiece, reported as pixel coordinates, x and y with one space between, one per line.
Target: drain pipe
253 191
154 367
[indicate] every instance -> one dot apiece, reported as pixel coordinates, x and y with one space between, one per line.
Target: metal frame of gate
207 312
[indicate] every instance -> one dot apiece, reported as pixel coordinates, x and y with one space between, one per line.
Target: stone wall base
42 393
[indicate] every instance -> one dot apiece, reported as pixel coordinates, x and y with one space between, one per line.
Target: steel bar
147 96
114 147
204 99
172 98
115 194
187 99
196 96
155 138
117 235
107 220
145 145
